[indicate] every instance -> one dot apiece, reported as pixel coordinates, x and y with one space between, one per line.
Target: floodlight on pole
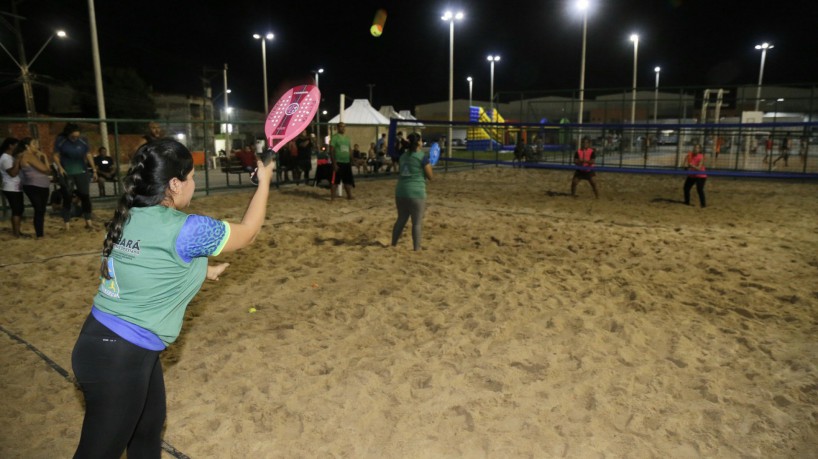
583 6
318 72
227 127
492 58
656 94
451 17
635 40
471 86
763 47
24 66
264 39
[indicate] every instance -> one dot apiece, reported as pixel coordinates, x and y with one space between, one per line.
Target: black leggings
124 395
408 207
699 182
81 183
39 198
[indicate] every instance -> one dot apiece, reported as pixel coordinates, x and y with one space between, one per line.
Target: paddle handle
266 157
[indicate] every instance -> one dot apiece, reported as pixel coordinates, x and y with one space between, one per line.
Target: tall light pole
492 58
763 47
656 94
264 39
583 5
227 146
317 107
635 40
103 126
24 66
471 86
451 17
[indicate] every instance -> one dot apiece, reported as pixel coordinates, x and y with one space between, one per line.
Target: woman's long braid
146 184
122 212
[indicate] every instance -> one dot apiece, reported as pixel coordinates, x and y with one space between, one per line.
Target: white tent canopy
407 115
389 112
403 116
360 112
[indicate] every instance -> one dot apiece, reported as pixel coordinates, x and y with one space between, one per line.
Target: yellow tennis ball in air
378 22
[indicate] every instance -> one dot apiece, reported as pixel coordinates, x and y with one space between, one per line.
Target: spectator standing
358 158
12 190
305 147
380 145
395 153
768 148
35 169
803 149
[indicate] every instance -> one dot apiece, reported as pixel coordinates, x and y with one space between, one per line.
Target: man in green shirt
339 151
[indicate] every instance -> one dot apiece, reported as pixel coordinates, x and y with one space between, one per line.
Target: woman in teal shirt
410 192
73 158
154 260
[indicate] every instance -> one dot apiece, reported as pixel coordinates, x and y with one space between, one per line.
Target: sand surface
532 325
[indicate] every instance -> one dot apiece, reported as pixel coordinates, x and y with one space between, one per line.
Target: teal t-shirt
151 282
73 154
411 179
340 144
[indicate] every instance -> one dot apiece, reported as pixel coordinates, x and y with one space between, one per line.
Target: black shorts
15 199
584 175
344 174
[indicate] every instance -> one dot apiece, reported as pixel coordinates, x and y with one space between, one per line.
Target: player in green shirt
410 192
154 260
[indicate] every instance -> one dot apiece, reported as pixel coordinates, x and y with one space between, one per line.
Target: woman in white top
9 171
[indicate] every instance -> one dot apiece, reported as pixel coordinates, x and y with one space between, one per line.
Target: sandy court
533 325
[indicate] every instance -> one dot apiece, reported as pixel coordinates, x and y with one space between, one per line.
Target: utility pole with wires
23 64
371 86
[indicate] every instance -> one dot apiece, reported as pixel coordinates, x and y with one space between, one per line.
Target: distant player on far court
585 158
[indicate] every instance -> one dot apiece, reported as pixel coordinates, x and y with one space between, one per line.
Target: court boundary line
67 376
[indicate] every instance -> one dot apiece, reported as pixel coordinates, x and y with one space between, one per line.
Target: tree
127 96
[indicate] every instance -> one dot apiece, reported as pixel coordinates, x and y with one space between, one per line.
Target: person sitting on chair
358 158
105 169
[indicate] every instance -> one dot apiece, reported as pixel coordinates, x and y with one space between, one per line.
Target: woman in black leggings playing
154 260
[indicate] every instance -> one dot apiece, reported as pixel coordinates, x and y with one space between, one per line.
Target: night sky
170 42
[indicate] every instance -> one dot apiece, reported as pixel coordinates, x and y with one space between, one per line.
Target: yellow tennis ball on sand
251 310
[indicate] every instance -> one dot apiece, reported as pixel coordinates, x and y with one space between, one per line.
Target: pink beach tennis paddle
289 116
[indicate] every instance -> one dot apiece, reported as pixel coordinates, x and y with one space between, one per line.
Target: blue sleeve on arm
201 237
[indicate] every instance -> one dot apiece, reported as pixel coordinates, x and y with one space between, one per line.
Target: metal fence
779 149
749 149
